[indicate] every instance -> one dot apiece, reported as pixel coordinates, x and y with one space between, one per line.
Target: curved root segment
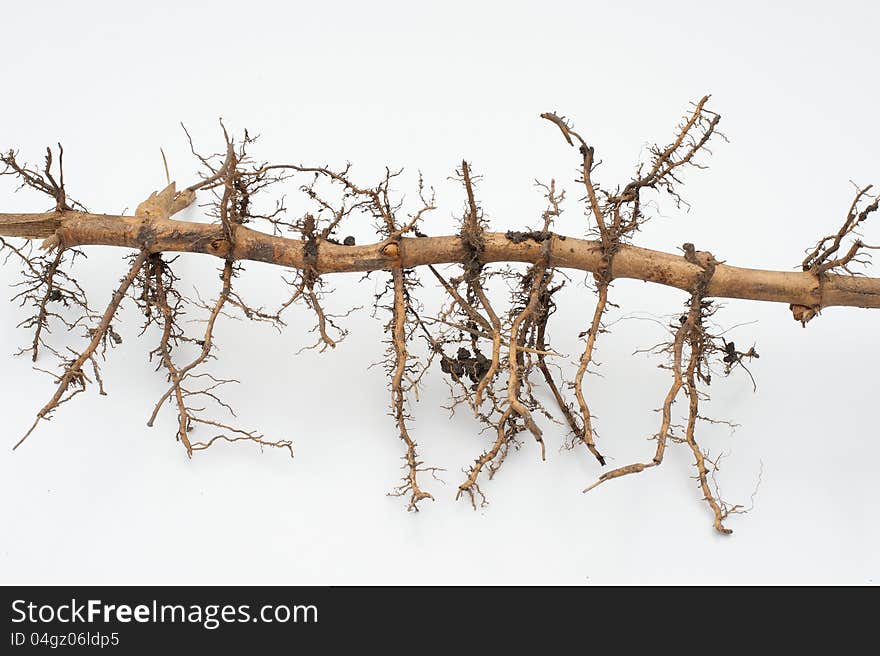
691 337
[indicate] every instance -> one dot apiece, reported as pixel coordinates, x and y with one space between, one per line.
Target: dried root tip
721 528
635 468
416 495
473 491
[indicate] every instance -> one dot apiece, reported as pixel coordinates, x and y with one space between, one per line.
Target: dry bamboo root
488 355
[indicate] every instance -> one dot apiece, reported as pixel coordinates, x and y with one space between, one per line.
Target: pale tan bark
82 229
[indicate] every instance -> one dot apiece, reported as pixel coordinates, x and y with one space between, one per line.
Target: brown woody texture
494 356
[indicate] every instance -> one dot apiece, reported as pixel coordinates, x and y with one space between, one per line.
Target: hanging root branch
690 349
73 379
413 466
528 312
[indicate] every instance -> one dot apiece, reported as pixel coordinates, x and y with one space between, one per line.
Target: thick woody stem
796 288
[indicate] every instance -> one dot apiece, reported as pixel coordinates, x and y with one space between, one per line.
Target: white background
96 497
